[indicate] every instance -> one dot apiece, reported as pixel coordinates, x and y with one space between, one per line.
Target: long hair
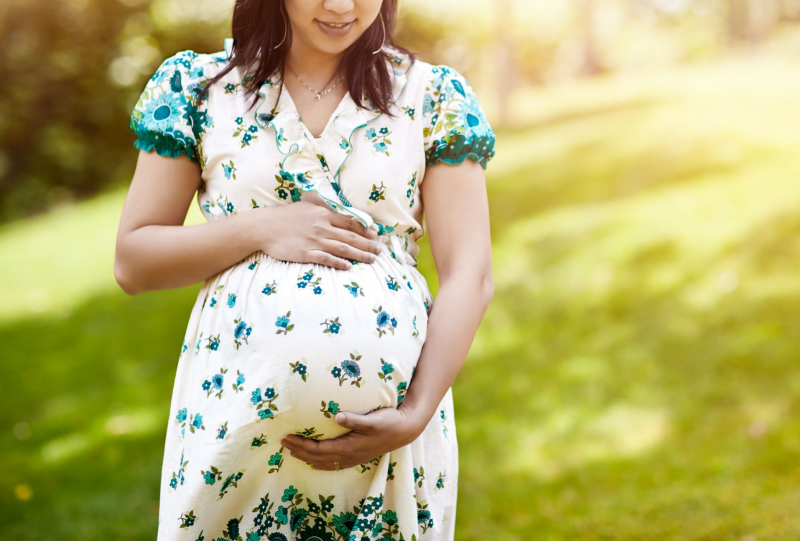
258 26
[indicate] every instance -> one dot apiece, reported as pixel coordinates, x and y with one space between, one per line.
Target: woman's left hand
373 434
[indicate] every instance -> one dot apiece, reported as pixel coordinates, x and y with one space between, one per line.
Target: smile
335 29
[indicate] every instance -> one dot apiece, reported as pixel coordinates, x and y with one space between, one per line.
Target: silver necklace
318 93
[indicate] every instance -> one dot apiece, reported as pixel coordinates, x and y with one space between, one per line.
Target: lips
335 29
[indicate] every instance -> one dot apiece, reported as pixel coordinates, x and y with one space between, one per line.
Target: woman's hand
373 434
307 232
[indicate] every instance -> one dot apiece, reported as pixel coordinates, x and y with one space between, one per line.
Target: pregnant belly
285 346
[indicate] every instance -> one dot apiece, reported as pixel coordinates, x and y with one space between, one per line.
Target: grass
634 377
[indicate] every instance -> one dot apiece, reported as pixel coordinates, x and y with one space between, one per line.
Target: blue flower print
380 141
386 323
415 333
299 368
241 332
283 324
354 289
428 105
215 385
332 327
247 134
386 370
412 189
178 475
222 431
229 169
378 193
238 385
307 279
349 369
265 406
392 284
231 299
269 289
197 423
181 417
162 113
212 475
213 343
402 387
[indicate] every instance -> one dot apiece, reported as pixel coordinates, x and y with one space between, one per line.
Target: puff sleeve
168 117
455 126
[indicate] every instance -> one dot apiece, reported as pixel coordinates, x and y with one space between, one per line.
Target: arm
154 250
457 215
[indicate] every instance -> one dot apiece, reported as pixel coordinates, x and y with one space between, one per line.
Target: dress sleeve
168 116
455 126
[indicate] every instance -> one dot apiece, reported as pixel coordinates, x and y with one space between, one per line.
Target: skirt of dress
275 348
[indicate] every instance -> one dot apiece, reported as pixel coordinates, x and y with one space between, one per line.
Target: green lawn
633 378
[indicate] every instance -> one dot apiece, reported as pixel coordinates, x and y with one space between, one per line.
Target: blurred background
634 376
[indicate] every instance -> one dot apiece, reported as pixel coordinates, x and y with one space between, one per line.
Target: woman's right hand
307 232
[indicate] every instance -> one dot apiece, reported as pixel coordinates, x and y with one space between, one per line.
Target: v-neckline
331 118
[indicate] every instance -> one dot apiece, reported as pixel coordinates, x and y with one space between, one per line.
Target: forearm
155 257
452 324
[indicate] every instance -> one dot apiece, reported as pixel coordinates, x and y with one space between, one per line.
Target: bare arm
154 250
457 215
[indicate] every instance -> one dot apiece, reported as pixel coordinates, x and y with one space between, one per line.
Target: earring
383 40
284 27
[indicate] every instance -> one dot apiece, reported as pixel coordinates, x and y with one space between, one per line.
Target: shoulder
455 126
169 116
438 78
188 71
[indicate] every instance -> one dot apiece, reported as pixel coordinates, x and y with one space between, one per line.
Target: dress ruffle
304 163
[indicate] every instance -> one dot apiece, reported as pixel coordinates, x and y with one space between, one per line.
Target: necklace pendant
319 96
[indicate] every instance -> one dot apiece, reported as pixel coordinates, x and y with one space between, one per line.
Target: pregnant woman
312 399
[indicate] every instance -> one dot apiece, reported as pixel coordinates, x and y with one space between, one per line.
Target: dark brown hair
259 25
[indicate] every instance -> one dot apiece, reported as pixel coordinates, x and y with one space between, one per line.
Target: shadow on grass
90 396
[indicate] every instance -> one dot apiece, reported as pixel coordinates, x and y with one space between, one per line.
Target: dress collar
314 164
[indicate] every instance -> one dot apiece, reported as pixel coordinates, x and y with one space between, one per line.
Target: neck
313 65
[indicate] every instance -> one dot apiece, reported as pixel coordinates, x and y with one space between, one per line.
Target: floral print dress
274 347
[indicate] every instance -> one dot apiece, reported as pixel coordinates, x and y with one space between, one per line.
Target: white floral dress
274 347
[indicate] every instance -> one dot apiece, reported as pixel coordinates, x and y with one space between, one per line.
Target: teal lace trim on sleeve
171 144
459 148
